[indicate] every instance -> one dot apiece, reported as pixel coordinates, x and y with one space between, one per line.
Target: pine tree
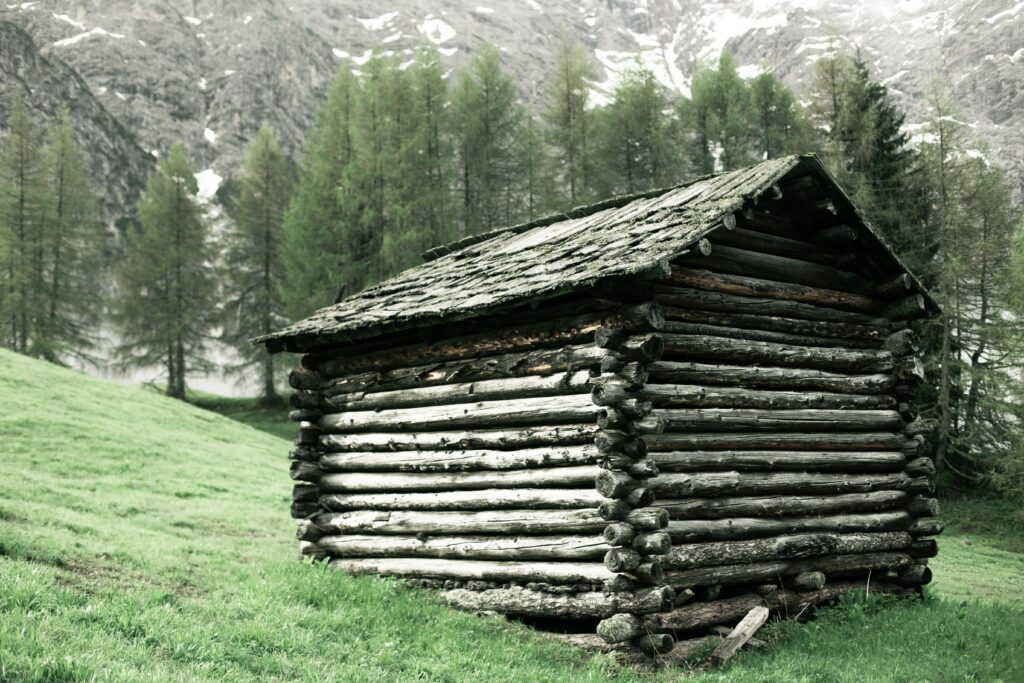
778 124
74 239
253 267
315 252
165 300
719 115
569 120
635 143
488 114
21 242
536 177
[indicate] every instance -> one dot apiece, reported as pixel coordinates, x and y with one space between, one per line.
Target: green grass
146 539
248 410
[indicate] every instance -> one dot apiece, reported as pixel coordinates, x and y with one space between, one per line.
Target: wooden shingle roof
481 273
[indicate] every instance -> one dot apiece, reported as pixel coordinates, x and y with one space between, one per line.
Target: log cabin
635 420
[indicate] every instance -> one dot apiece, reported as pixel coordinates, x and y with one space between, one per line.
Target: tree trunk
772 571
548 477
818 461
503 522
468 547
782 506
520 601
478 570
460 460
715 484
738 419
769 441
528 437
700 555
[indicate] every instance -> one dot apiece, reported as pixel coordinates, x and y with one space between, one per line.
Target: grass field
143 539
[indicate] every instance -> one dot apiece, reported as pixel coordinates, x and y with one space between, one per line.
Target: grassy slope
145 539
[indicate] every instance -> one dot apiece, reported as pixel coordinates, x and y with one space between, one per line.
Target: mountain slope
211 71
48 86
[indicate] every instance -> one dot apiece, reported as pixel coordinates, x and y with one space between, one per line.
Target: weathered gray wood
750 352
755 264
808 581
545 334
696 396
919 506
307 531
304 379
924 547
902 343
619 628
622 560
538 362
519 601
839 441
754 572
753 240
515 412
688 298
741 285
740 419
908 308
703 327
531 386
459 460
615 484
738 528
737 324
484 499
572 476
512 438
921 467
700 615
619 534
926 527
782 506
502 522
697 555
709 484
818 461
477 570
467 547
300 470
739 636
657 543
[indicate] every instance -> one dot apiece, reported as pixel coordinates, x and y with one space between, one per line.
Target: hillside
209 72
146 539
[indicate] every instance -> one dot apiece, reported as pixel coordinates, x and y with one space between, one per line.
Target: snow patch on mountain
195 21
378 23
68 20
1006 14
82 36
208 182
437 31
209 135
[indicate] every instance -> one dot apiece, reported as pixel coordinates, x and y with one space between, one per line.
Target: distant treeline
402 157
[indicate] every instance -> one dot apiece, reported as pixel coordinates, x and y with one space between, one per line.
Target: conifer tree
778 125
165 299
73 240
21 241
635 143
568 118
254 270
488 115
719 115
315 252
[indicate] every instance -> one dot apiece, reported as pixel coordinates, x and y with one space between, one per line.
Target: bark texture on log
757 377
527 437
444 545
751 440
760 571
484 499
503 522
738 528
521 601
573 477
477 570
459 460
710 484
750 419
693 346
697 555
782 506
816 461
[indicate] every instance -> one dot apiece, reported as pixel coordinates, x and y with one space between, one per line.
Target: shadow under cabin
631 422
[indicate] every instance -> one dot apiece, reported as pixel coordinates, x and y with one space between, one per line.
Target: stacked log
791 454
635 530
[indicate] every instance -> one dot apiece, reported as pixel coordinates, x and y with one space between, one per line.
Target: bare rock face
48 86
210 72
